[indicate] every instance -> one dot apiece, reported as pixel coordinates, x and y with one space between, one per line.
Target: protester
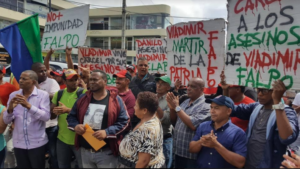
123 79
62 104
296 106
30 109
187 118
236 93
115 119
50 86
5 88
219 143
131 69
272 127
2 140
163 85
57 75
143 81
143 147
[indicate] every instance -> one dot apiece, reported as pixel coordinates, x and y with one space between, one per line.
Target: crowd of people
145 121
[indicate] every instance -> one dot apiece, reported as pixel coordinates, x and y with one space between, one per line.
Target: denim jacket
275 147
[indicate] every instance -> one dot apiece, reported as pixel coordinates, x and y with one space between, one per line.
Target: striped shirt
183 135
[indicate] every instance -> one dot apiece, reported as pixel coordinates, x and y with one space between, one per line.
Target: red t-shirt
243 124
129 100
210 90
63 86
5 90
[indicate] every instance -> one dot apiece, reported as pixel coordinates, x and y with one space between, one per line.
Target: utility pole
123 23
49 5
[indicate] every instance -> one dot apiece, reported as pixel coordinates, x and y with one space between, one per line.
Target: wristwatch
279 106
177 109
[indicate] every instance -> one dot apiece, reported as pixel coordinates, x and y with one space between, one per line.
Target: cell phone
289 153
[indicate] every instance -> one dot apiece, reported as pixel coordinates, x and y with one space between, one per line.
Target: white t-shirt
50 86
296 101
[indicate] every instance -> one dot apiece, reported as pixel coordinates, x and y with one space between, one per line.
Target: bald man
29 108
187 116
51 87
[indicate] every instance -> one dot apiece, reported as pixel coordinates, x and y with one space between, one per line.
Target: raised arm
69 58
47 59
286 120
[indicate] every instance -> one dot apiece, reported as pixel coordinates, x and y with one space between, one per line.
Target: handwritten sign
196 49
66 28
155 50
110 61
263 43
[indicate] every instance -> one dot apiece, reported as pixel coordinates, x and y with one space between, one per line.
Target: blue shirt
229 135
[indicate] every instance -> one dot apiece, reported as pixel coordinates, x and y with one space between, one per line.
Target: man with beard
115 120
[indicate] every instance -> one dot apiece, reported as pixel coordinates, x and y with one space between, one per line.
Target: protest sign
66 28
263 43
110 61
155 52
196 49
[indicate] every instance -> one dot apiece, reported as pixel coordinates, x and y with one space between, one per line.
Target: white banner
155 52
196 49
263 43
110 61
66 28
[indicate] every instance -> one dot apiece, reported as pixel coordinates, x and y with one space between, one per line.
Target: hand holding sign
278 91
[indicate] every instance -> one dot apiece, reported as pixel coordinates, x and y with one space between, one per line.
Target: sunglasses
263 91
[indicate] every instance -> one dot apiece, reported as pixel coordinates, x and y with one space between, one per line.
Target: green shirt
68 99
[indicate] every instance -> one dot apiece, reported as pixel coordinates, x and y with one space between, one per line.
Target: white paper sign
155 52
263 43
196 49
66 28
110 61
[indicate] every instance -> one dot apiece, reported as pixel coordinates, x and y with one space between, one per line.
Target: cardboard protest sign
155 52
263 43
66 28
110 61
196 49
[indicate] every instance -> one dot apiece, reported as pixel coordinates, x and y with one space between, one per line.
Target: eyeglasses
263 91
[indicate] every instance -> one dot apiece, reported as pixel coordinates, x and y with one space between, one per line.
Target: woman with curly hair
143 147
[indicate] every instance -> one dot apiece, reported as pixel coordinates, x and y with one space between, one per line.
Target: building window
116 43
153 21
100 42
128 44
99 24
116 23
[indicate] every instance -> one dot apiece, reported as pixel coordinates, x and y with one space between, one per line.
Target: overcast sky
183 8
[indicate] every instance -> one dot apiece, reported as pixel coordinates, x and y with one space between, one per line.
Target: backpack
60 93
